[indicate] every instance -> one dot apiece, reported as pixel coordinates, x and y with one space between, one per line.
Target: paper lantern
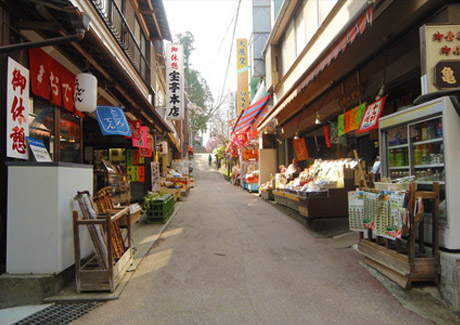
86 92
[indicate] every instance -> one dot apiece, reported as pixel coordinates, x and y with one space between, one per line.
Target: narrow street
229 257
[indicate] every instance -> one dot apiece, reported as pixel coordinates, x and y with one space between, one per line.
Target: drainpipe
81 24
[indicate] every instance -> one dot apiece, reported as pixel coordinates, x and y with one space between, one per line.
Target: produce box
158 208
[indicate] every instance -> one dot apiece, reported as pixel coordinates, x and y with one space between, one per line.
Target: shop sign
141 142
17 123
141 174
155 169
52 81
175 82
242 74
112 121
300 147
135 127
39 150
147 151
447 74
352 97
163 148
439 43
371 116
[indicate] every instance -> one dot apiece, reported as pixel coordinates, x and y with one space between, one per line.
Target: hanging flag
354 118
361 110
341 125
326 136
112 121
300 147
347 121
141 142
371 116
334 137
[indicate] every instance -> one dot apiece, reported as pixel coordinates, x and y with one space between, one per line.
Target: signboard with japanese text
155 169
175 82
141 142
242 72
147 151
17 113
112 121
39 150
439 43
51 80
447 74
371 116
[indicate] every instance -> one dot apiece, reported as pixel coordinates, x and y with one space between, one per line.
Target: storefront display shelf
398 168
399 146
426 142
429 166
406 260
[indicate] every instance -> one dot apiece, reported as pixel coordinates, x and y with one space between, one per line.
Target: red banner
68 89
301 149
326 136
141 174
39 63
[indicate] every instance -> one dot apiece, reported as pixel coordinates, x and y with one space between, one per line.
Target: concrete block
449 286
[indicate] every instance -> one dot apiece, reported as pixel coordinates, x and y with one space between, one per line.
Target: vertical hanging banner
175 82
300 147
354 118
141 142
17 112
155 169
242 72
341 125
371 116
326 136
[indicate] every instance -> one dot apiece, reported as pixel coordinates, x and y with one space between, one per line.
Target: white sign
155 169
39 150
17 111
175 82
438 42
163 148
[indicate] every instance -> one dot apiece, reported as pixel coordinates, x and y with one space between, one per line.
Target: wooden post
76 244
361 173
108 231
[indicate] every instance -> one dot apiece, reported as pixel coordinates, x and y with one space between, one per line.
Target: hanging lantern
86 92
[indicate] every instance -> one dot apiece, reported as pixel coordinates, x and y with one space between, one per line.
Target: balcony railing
116 22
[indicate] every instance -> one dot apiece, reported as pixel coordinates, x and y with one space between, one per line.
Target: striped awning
251 115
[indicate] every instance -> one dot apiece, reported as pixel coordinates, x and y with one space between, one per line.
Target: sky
210 23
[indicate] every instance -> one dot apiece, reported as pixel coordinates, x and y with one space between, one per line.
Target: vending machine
423 141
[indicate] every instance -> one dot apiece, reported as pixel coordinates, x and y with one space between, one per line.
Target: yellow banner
242 70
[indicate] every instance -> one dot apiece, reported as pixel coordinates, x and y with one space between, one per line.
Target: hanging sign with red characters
371 116
17 110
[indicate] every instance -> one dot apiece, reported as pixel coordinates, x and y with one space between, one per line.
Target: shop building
325 59
123 50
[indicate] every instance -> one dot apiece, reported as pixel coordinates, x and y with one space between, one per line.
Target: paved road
229 257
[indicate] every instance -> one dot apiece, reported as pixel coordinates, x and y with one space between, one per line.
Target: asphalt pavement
229 257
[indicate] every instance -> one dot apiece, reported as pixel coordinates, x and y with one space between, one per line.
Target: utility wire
221 97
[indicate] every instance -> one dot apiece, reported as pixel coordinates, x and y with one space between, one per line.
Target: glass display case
422 142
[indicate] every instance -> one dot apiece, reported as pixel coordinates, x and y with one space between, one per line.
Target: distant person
209 159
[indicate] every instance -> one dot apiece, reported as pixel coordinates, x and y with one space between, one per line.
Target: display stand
266 194
114 254
406 261
332 203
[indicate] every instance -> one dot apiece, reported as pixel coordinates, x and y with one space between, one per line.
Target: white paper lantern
86 92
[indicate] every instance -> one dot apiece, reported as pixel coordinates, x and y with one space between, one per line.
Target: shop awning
330 54
250 115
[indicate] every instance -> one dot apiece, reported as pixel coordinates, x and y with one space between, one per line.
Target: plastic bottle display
418 155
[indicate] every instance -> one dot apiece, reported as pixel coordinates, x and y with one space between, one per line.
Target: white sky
209 22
